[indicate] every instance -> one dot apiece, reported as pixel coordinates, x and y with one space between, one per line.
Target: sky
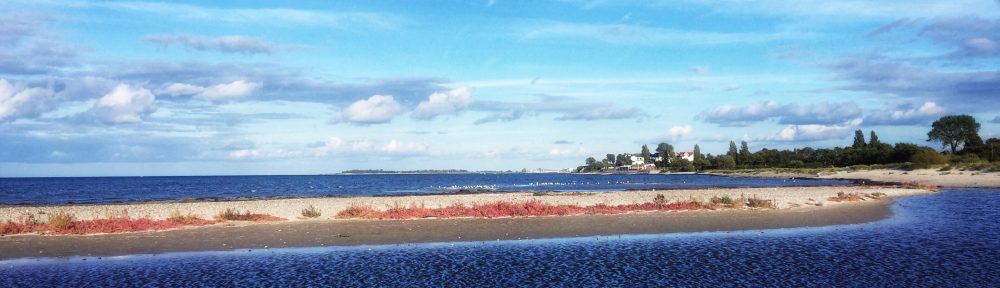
93 88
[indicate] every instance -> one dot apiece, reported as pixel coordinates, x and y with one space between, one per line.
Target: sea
946 239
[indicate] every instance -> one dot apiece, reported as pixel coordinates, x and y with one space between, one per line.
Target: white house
685 155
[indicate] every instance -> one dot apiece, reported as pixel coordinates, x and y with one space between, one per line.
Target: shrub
61 221
235 215
359 211
755 202
189 219
724 200
660 199
850 197
927 158
311 212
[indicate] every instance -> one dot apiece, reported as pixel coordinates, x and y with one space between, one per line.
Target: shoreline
932 177
318 233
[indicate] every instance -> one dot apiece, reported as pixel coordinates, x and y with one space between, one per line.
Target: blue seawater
951 239
139 189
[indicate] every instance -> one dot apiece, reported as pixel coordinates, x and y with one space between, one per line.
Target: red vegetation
506 209
69 225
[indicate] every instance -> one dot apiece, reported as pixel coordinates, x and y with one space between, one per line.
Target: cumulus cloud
28 48
124 104
328 147
678 132
441 103
374 110
20 101
906 115
973 90
567 109
226 44
822 113
215 93
400 148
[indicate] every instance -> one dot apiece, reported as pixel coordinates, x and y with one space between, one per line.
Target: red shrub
10 227
506 209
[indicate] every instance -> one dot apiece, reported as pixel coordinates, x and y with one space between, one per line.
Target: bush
61 221
724 200
755 202
235 215
927 158
311 212
660 200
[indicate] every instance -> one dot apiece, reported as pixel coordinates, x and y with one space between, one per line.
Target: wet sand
317 233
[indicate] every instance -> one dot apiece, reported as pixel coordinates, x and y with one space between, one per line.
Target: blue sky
254 87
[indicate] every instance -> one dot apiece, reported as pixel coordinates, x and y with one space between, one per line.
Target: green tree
744 159
727 162
666 151
953 131
859 139
873 140
697 153
645 153
991 150
732 151
610 158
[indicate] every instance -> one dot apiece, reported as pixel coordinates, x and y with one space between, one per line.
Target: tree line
958 134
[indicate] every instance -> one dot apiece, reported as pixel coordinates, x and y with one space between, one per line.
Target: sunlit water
133 189
951 239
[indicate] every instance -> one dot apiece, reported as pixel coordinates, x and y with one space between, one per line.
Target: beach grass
311 212
234 215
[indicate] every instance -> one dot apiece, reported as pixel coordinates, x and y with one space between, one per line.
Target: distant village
663 158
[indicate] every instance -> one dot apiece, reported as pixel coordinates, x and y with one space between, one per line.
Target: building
685 155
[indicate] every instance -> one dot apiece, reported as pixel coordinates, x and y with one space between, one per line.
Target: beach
930 177
795 207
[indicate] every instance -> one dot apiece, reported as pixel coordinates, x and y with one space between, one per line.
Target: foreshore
319 233
933 177
794 207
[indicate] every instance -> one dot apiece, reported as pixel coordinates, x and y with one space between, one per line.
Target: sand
318 233
785 197
952 178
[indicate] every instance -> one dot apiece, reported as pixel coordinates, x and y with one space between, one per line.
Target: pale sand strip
318 233
953 178
291 208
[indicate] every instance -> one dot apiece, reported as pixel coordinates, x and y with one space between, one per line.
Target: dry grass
311 212
916 185
755 202
531 208
847 197
234 215
61 221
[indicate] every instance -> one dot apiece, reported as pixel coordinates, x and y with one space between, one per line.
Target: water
951 239
135 189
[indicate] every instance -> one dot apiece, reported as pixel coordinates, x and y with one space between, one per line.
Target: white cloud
906 115
439 103
124 104
244 154
362 145
813 132
396 147
374 110
17 101
331 145
226 44
677 132
639 34
821 113
219 92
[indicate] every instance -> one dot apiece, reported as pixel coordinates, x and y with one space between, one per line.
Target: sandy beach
290 209
318 233
932 177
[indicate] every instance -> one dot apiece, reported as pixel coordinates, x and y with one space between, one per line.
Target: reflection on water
949 239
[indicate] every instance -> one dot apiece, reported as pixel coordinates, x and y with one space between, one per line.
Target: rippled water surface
132 189
951 239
